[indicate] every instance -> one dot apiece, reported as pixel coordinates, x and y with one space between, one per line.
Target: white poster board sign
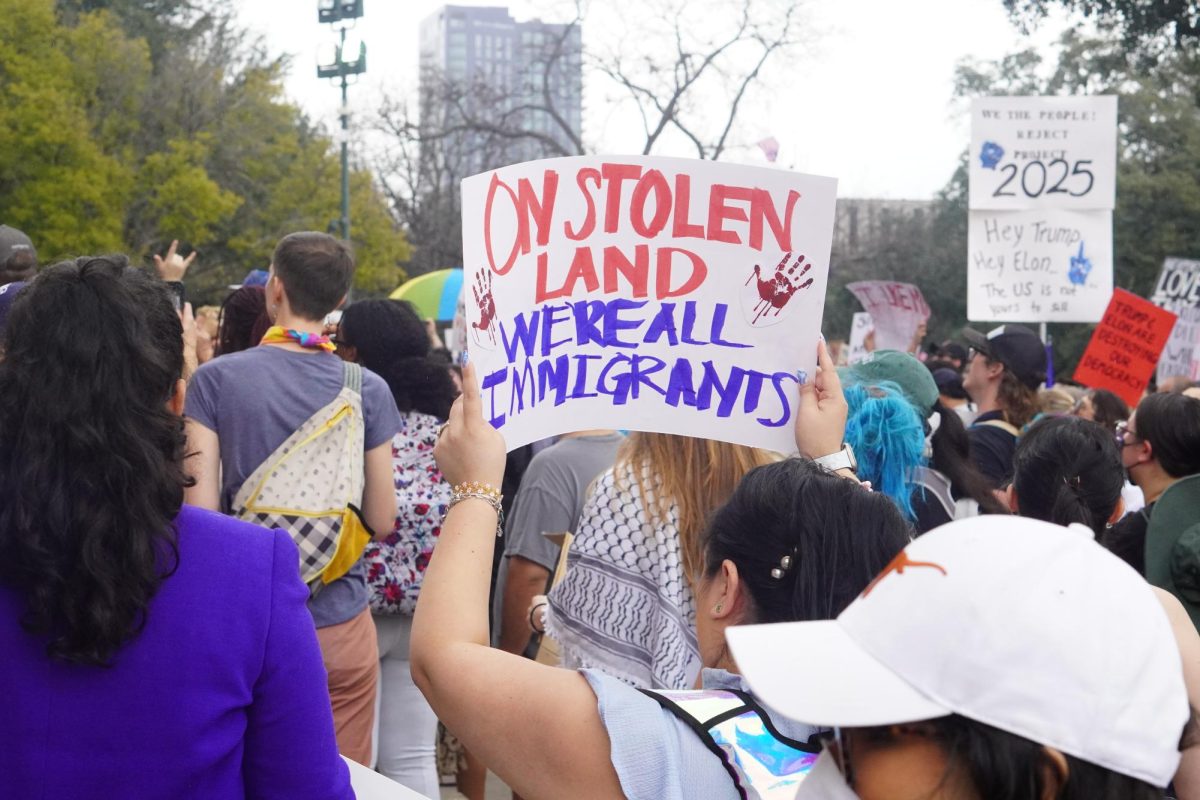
1178 290
1042 189
896 310
860 327
1046 266
1044 152
644 293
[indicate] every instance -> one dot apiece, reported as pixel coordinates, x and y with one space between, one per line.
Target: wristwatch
842 459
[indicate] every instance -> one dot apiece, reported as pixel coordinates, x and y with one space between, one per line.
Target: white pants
407 739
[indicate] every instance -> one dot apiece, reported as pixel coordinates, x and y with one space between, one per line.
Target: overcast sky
869 103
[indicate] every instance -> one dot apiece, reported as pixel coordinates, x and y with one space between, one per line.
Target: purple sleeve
290 748
200 402
382 420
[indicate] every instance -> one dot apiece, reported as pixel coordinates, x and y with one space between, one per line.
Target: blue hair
888 438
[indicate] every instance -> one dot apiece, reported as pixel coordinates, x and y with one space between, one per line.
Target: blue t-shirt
254 400
656 755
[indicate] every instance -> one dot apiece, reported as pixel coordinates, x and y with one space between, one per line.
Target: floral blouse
396 565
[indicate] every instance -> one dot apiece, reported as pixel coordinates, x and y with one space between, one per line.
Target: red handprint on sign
776 290
485 303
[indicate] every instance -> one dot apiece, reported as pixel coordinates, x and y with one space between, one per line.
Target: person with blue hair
888 438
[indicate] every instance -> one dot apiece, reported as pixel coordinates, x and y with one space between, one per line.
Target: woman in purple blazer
147 649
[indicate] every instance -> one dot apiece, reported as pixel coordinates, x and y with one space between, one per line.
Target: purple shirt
222 695
254 400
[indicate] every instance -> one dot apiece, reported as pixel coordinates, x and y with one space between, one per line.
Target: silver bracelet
493 500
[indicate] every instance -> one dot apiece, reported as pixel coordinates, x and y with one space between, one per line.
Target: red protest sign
1125 346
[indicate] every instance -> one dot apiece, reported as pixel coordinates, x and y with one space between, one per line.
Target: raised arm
562 748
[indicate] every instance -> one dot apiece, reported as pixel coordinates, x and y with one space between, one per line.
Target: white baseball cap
1026 626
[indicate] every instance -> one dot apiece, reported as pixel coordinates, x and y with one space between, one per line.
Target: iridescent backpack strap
763 763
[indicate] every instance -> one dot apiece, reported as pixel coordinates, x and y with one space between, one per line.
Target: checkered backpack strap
306 486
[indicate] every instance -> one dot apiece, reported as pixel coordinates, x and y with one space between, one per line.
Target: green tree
1158 164
125 124
56 183
1140 22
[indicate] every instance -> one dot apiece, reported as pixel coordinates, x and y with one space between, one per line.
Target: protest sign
1178 290
1043 152
1125 346
1181 356
645 293
860 326
1046 266
896 310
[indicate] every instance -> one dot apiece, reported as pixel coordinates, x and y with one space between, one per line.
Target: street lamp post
332 12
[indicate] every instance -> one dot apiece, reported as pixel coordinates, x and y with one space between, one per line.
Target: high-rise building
492 87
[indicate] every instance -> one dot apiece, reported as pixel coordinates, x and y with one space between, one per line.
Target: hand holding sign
822 411
468 449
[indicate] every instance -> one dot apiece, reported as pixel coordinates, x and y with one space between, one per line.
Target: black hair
1108 409
952 457
316 270
20 266
1003 766
1170 422
837 536
243 320
90 455
1067 469
391 342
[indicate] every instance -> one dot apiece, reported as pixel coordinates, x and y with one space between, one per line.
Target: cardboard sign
1178 290
896 310
860 326
1181 356
643 293
1125 346
1042 266
1043 152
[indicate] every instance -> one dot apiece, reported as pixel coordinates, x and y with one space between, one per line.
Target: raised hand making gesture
174 266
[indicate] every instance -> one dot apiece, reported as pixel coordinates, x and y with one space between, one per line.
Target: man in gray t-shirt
241 407
550 500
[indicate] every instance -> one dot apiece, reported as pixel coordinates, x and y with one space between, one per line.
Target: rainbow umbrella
434 294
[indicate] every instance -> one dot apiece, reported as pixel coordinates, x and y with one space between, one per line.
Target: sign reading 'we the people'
1042 189
644 293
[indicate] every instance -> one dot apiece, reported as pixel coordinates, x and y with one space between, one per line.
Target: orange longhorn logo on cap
898 565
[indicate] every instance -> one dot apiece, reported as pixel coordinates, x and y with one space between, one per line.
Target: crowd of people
248 545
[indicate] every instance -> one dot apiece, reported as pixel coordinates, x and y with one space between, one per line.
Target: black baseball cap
1016 347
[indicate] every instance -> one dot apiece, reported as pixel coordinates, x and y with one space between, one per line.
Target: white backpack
312 484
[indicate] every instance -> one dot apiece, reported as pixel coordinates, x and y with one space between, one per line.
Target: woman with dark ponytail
388 338
150 649
1067 469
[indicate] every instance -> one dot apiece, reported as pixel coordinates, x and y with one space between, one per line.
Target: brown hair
1019 402
316 270
696 476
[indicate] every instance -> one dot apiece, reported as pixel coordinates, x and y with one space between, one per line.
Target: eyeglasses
1123 435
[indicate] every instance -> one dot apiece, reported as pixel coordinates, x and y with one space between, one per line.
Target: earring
717 610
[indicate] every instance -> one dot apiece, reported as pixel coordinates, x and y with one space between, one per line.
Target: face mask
825 782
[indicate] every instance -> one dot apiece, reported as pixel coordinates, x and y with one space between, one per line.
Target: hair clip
1074 482
785 564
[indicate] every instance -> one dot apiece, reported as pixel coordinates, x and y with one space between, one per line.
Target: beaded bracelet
479 491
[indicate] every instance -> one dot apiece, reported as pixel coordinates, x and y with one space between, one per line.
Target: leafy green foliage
1139 21
125 124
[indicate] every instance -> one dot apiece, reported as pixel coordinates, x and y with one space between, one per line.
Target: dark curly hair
90 454
243 320
391 342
